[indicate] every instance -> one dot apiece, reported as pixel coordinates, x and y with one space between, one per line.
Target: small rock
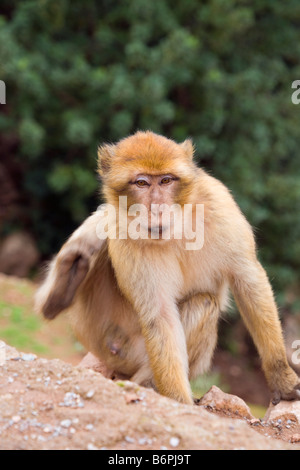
132 398
283 412
90 394
28 357
129 439
89 427
230 405
142 441
16 419
174 442
254 422
72 400
91 447
66 423
47 429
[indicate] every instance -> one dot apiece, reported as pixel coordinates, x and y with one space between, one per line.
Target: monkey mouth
156 232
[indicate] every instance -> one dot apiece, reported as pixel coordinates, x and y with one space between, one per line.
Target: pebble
174 441
92 447
47 429
89 427
72 400
28 357
90 394
132 398
129 439
254 422
16 419
144 440
66 423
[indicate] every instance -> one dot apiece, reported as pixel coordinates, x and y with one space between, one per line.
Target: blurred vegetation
20 328
220 71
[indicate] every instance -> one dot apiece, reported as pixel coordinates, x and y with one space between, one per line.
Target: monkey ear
188 148
105 156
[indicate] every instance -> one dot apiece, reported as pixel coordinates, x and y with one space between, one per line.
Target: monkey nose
154 210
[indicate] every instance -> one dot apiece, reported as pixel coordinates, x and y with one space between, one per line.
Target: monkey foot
277 396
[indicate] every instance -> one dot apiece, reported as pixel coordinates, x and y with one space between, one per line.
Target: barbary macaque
148 305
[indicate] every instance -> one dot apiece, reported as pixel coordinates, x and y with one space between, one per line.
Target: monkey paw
278 395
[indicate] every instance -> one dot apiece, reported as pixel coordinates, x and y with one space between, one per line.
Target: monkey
148 306
100 305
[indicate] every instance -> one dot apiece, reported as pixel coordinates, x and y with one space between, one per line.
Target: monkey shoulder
223 218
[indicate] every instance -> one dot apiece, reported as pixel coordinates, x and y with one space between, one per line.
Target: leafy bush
79 73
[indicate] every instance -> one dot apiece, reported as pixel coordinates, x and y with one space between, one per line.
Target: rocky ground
49 404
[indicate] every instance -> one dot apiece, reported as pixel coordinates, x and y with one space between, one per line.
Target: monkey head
151 171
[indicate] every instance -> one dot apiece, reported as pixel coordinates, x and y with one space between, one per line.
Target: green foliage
79 73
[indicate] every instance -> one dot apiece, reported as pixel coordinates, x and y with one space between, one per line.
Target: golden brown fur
149 308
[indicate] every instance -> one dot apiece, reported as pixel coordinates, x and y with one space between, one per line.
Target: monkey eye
166 180
141 183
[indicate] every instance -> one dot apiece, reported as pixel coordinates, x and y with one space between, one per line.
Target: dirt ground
49 404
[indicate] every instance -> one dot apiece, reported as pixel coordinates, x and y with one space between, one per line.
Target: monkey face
156 193
152 171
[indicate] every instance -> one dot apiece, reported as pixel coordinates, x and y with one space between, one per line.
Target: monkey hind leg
144 377
199 316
